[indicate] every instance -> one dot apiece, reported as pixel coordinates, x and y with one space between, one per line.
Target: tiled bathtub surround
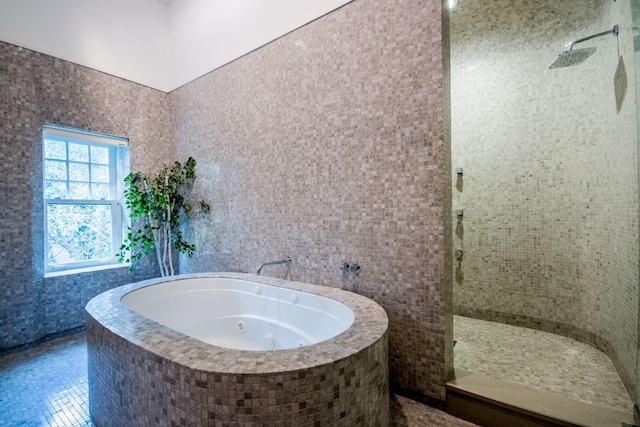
144 373
327 145
549 191
36 89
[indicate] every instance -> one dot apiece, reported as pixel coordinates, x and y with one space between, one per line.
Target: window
82 176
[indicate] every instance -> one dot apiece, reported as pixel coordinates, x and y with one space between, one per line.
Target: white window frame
116 174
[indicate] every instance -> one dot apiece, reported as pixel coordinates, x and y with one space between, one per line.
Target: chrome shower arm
613 31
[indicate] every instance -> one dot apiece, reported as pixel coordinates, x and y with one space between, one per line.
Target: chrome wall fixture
287 261
345 267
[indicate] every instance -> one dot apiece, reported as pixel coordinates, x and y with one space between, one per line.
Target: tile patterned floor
409 413
539 360
47 386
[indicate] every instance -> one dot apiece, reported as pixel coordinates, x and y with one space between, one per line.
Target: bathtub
241 314
236 349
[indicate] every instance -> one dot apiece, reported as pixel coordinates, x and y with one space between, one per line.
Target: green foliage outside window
78 233
82 218
158 205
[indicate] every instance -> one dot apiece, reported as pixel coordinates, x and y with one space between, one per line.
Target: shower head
574 57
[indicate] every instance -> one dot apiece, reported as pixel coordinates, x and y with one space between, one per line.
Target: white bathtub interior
240 314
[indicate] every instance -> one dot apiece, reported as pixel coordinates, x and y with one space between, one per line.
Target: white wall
206 34
149 43
126 38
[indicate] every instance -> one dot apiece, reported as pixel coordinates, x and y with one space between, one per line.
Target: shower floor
539 360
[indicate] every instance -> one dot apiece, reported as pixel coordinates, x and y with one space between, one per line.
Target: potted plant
157 206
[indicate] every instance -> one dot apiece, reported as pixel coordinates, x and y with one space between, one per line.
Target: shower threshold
489 402
541 378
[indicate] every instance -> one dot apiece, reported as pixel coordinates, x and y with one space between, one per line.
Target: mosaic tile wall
327 145
37 89
549 192
635 13
446 72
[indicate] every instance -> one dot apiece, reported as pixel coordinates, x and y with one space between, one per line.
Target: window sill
85 270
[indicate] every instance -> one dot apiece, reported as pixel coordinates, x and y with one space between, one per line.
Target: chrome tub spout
283 261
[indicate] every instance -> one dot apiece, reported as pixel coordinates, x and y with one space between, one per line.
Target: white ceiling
163 44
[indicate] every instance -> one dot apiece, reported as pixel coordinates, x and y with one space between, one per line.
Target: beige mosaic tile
409 413
549 191
327 145
142 371
539 360
35 376
37 89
